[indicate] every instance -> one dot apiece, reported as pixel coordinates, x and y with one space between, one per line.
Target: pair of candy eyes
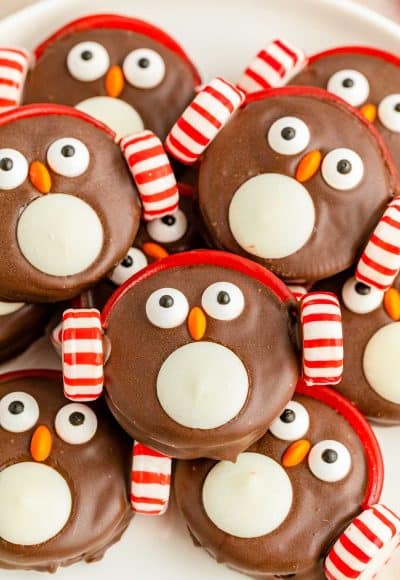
328 460
143 68
353 87
341 168
75 423
67 156
169 307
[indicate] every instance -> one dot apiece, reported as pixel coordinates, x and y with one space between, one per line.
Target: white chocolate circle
288 146
117 114
329 472
10 307
387 114
59 234
360 303
88 70
331 175
355 95
271 216
294 430
35 503
202 385
249 498
161 232
19 422
381 362
144 78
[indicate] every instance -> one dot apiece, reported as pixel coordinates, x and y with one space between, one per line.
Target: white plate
221 36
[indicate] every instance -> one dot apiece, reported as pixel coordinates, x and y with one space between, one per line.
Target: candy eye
68 157
329 460
88 61
223 301
360 298
76 423
13 168
134 261
167 308
169 228
144 68
18 412
288 136
389 112
293 423
351 85
342 169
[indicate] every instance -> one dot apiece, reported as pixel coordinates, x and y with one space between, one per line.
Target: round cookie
64 475
70 209
292 168
126 72
277 511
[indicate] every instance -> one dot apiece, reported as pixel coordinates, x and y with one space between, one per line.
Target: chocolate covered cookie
285 175
64 475
277 511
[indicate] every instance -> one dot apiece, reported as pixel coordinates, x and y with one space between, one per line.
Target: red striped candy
14 64
365 546
56 337
297 291
150 480
82 354
322 339
380 261
273 66
203 119
152 173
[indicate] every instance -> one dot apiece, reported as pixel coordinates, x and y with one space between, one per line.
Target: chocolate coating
242 151
106 186
159 107
319 513
138 350
97 473
20 328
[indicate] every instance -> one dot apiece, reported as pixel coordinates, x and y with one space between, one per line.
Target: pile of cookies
227 258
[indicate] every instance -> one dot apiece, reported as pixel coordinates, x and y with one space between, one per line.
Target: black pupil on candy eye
344 166
362 289
87 55
348 83
288 416
77 418
288 133
329 456
166 301
127 262
397 107
16 407
68 151
223 297
168 220
144 62
6 164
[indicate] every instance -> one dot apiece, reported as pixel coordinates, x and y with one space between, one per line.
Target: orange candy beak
40 177
296 453
41 443
391 302
369 111
308 166
114 81
197 323
154 251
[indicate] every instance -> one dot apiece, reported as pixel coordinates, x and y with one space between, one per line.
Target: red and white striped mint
152 173
322 339
380 261
273 66
203 119
14 65
82 354
150 480
297 291
365 546
56 337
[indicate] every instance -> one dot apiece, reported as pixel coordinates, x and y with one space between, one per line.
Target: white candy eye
329 460
293 423
88 61
288 136
144 68
167 308
76 423
342 169
13 168
169 228
134 261
18 412
389 112
223 301
350 85
360 298
68 156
